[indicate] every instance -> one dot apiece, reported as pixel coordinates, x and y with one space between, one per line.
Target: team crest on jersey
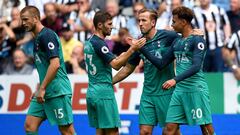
201 46
51 46
105 49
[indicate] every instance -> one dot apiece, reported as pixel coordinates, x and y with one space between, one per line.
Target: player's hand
129 40
169 84
40 96
136 44
198 32
33 95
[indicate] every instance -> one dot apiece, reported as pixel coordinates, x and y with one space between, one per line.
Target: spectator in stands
98 4
132 23
121 45
231 54
76 65
119 21
165 9
52 20
22 37
68 42
214 21
15 18
19 64
81 20
164 15
151 4
63 6
7 45
6 8
234 15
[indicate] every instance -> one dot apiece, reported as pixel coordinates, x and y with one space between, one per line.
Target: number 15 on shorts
59 113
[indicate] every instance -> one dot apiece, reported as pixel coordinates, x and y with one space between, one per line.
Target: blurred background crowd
72 21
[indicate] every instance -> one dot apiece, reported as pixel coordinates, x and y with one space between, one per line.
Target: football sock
32 133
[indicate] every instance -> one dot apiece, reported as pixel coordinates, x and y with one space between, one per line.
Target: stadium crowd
72 21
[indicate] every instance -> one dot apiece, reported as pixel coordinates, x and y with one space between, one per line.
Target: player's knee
211 131
29 127
111 131
169 130
145 131
67 130
207 129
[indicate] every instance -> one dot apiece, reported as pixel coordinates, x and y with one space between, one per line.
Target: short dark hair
101 17
153 13
183 13
32 10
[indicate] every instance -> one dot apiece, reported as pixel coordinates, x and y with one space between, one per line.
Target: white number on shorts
196 113
58 113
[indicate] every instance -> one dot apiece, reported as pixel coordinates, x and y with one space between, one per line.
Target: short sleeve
102 50
50 44
134 59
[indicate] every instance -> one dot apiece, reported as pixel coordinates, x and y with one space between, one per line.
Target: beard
30 28
146 31
106 33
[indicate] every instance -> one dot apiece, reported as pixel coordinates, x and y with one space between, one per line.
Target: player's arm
123 73
229 55
229 51
199 49
160 63
198 58
51 72
121 60
9 31
51 47
127 69
226 25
